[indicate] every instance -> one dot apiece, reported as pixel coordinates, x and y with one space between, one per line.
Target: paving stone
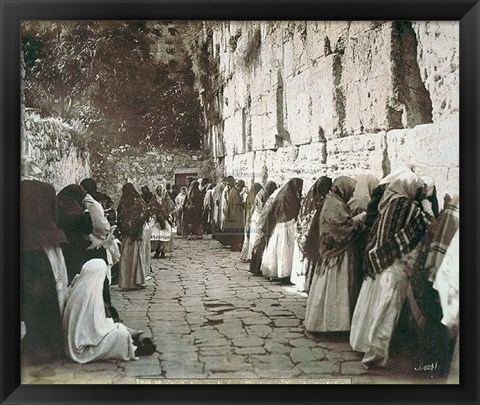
275 347
301 355
353 368
322 367
248 342
250 350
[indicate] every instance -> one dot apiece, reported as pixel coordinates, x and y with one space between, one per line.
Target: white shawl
89 334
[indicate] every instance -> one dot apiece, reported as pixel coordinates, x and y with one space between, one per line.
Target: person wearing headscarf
217 208
305 253
43 271
257 242
331 295
362 195
365 186
232 221
89 334
160 208
179 200
147 195
246 254
192 212
278 226
132 218
435 341
76 225
208 209
377 193
391 252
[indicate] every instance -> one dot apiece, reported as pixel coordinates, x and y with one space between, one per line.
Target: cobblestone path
210 318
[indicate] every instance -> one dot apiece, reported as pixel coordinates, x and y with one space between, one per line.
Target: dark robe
40 309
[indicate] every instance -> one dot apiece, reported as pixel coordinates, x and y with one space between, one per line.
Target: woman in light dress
331 296
160 207
246 254
391 252
134 259
258 241
278 227
179 200
88 334
305 252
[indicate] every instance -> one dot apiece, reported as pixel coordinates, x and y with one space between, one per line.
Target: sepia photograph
239 202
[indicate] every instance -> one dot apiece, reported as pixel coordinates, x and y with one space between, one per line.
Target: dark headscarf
194 196
70 200
255 188
263 195
146 194
307 223
337 230
286 205
71 216
90 186
132 212
284 208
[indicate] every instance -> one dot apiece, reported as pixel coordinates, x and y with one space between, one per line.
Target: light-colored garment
329 298
161 239
299 268
100 224
59 269
447 284
378 310
366 183
89 335
278 255
147 249
247 251
132 263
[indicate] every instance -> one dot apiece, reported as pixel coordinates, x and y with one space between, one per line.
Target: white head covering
429 185
406 185
89 334
362 194
394 175
84 312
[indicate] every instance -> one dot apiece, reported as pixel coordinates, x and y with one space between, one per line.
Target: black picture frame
466 11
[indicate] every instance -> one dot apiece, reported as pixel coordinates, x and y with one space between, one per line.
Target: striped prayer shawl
442 232
395 233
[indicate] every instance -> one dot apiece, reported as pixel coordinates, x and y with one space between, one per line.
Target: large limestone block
309 107
364 79
232 133
353 155
243 167
438 58
429 145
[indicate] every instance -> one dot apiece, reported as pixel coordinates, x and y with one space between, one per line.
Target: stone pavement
211 318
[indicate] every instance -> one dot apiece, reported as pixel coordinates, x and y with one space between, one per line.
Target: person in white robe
88 334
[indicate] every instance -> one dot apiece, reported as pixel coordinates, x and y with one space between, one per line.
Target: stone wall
308 98
51 144
129 164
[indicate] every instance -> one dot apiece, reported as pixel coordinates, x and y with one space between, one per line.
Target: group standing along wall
312 98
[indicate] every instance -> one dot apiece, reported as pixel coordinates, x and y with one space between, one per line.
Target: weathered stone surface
438 49
49 142
321 95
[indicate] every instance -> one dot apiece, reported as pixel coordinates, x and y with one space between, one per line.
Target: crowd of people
376 257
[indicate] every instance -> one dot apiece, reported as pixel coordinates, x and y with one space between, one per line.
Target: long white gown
88 334
278 256
328 303
378 309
